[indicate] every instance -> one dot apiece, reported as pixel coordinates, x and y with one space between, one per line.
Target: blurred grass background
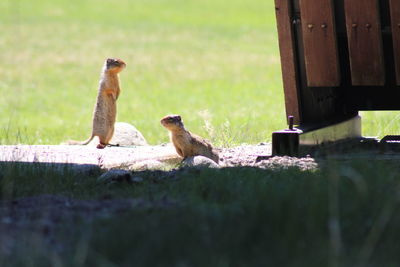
211 61
215 62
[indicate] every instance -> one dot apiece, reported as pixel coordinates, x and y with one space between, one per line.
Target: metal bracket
291 141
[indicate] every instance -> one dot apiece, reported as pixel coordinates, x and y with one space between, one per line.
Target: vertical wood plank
395 21
365 42
288 63
320 44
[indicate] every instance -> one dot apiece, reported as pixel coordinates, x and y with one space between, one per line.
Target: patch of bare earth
153 157
260 156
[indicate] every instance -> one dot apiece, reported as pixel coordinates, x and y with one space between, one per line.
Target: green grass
214 61
380 123
345 214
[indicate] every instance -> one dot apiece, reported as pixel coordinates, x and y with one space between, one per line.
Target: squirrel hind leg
101 145
215 158
180 152
104 140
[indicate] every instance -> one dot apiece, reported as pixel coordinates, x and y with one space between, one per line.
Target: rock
137 179
125 134
6 220
199 161
116 175
285 162
149 165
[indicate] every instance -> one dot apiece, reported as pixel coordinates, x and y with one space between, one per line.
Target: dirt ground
40 215
113 157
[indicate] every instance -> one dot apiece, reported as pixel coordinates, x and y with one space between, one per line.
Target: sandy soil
82 157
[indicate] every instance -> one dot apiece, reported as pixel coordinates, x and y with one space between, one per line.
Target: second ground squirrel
105 110
186 143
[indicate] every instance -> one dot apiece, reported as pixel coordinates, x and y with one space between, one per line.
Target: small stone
125 134
149 165
7 220
115 175
199 161
137 179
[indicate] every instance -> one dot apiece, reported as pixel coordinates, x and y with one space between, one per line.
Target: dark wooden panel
288 60
365 42
320 45
395 17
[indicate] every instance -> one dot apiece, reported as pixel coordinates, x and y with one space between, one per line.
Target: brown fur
186 143
105 110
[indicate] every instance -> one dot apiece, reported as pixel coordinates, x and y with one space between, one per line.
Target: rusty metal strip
320 44
287 53
395 17
365 42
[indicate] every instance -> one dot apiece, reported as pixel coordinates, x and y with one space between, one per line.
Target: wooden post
288 60
365 42
395 17
320 44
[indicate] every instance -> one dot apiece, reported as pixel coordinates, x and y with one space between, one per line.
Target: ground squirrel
186 143
105 110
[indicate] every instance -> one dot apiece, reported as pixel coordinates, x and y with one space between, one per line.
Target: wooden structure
338 57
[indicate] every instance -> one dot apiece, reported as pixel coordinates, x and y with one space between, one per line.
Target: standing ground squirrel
186 143
105 110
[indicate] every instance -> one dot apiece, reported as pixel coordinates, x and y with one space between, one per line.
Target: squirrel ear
179 118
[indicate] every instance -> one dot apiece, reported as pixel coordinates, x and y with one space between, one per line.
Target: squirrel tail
73 142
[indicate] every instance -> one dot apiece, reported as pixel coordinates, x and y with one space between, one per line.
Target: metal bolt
310 26
323 26
291 122
296 21
354 25
368 25
398 25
